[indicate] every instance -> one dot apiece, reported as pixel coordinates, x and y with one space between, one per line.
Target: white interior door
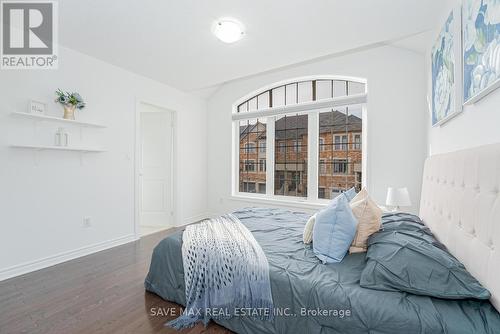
156 167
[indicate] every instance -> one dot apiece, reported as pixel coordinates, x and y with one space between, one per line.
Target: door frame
138 160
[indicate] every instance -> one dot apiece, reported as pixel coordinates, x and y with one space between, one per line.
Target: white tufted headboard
461 204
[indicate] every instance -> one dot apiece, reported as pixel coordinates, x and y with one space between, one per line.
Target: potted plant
70 102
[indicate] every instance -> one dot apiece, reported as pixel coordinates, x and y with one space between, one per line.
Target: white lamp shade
398 197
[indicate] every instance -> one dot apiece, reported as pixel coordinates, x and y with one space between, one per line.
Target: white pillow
308 230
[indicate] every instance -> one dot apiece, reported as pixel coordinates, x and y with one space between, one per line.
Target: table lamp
397 197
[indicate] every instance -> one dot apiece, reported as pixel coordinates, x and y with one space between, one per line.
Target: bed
331 294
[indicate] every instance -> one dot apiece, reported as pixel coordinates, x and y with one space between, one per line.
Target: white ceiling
171 41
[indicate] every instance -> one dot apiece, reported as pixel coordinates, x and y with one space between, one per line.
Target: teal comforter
310 297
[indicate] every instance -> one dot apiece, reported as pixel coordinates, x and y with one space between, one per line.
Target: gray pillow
411 260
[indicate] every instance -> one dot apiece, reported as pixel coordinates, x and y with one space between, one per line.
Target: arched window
301 138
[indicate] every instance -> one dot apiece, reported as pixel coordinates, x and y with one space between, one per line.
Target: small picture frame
37 107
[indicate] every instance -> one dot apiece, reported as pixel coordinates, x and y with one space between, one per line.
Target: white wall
477 125
42 205
397 140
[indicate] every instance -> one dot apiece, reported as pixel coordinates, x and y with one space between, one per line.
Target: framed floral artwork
446 99
481 48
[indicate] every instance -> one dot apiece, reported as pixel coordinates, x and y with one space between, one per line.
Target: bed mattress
311 297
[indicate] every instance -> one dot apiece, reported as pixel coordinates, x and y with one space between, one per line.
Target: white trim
195 219
365 167
50 261
236 158
300 202
137 163
270 136
57 148
304 106
312 155
39 117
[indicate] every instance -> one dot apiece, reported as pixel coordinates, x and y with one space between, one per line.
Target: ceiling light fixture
228 30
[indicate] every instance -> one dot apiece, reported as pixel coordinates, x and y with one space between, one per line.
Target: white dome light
228 30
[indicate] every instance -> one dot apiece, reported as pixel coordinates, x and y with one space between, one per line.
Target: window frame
262 148
254 184
342 144
250 148
281 145
322 162
296 145
336 162
249 162
262 165
321 143
312 108
356 146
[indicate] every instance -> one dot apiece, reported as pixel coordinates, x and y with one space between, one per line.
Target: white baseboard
49 261
212 214
194 219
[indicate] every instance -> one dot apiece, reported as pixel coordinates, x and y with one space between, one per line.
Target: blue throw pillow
334 230
350 194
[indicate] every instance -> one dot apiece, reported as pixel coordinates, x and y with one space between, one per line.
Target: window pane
305 91
279 96
291 155
357 142
252 155
252 104
356 111
323 89
339 143
340 160
243 107
356 88
291 94
262 146
263 100
339 88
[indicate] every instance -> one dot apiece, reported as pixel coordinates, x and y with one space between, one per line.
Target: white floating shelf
56 119
57 148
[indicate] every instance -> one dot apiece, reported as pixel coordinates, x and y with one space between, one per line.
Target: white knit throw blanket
224 269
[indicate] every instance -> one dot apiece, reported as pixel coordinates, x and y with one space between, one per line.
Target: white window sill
294 203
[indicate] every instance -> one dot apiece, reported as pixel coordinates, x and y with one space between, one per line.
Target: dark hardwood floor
99 293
